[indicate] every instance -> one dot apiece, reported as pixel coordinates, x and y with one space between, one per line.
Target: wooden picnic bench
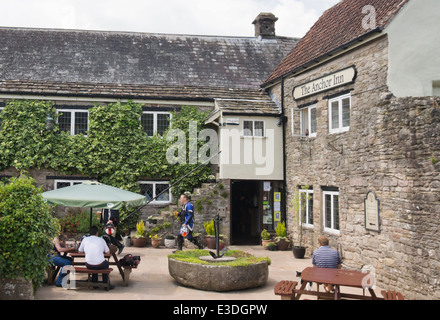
336 277
124 271
90 272
392 295
285 288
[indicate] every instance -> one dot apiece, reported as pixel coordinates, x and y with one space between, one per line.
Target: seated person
55 257
326 257
94 248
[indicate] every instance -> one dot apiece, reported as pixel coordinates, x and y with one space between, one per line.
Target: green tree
27 227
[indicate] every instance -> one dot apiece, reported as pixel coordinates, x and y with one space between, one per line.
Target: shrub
265 235
209 228
78 221
27 228
281 230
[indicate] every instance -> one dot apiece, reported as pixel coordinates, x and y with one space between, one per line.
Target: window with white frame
339 113
155 122
253 128
62 183
306 207
73 121
152 189
308 121
331 211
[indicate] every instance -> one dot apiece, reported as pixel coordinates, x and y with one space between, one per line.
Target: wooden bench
392 295
89 273
285 288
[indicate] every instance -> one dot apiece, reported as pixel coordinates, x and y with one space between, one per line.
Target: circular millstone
221 259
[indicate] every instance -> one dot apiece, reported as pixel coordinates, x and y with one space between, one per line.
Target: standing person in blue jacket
186 220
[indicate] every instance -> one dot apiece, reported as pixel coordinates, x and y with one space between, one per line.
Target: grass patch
243 259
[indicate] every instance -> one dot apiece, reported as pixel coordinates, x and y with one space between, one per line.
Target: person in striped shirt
326 257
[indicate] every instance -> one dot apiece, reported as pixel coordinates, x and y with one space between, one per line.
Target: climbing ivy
115 151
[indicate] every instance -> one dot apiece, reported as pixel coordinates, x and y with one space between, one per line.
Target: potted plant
281 240
139 239
299 203
210 234
156 241
271 246
210 179
265 238
170 241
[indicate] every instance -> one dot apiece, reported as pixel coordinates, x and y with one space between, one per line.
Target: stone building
75 69
360 92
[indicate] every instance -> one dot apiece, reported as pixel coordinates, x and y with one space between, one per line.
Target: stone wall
16 289
391 148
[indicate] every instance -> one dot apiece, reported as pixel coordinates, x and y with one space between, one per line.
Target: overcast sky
200 17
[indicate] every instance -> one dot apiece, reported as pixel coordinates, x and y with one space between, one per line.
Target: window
331 211
73 121
436 88
155 122
339 113
308 121
306 207
58 184
152 189
253 128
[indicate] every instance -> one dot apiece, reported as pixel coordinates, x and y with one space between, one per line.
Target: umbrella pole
91 212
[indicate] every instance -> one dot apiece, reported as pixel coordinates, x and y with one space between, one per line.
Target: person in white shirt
95 247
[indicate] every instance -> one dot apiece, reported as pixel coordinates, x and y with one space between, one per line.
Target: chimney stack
265 25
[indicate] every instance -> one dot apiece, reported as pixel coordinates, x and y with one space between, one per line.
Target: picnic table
336 277
124 271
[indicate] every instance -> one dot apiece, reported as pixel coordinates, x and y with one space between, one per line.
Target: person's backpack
130 260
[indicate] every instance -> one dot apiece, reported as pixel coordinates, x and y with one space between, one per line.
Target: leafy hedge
27 227
115 151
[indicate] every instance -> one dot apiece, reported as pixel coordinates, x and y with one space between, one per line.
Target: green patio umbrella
92 194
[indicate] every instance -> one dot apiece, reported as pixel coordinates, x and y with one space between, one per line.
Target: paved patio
151 280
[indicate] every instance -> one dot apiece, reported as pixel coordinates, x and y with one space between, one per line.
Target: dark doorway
245 212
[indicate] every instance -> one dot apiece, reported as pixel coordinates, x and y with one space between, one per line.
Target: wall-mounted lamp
281 120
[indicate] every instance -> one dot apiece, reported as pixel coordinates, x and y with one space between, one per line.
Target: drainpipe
283 121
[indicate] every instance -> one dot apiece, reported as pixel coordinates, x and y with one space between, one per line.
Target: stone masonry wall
393 149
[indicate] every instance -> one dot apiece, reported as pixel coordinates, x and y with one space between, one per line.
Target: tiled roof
337 27
127 58
127 91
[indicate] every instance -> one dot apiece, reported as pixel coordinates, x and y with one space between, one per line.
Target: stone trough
215 277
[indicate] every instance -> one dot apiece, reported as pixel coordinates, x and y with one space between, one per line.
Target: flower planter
264 242
170 243
155 243
210 242
282 244
139 242
299 252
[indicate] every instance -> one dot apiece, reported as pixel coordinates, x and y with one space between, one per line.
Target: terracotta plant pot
264 242
139 242
210 242
155 243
